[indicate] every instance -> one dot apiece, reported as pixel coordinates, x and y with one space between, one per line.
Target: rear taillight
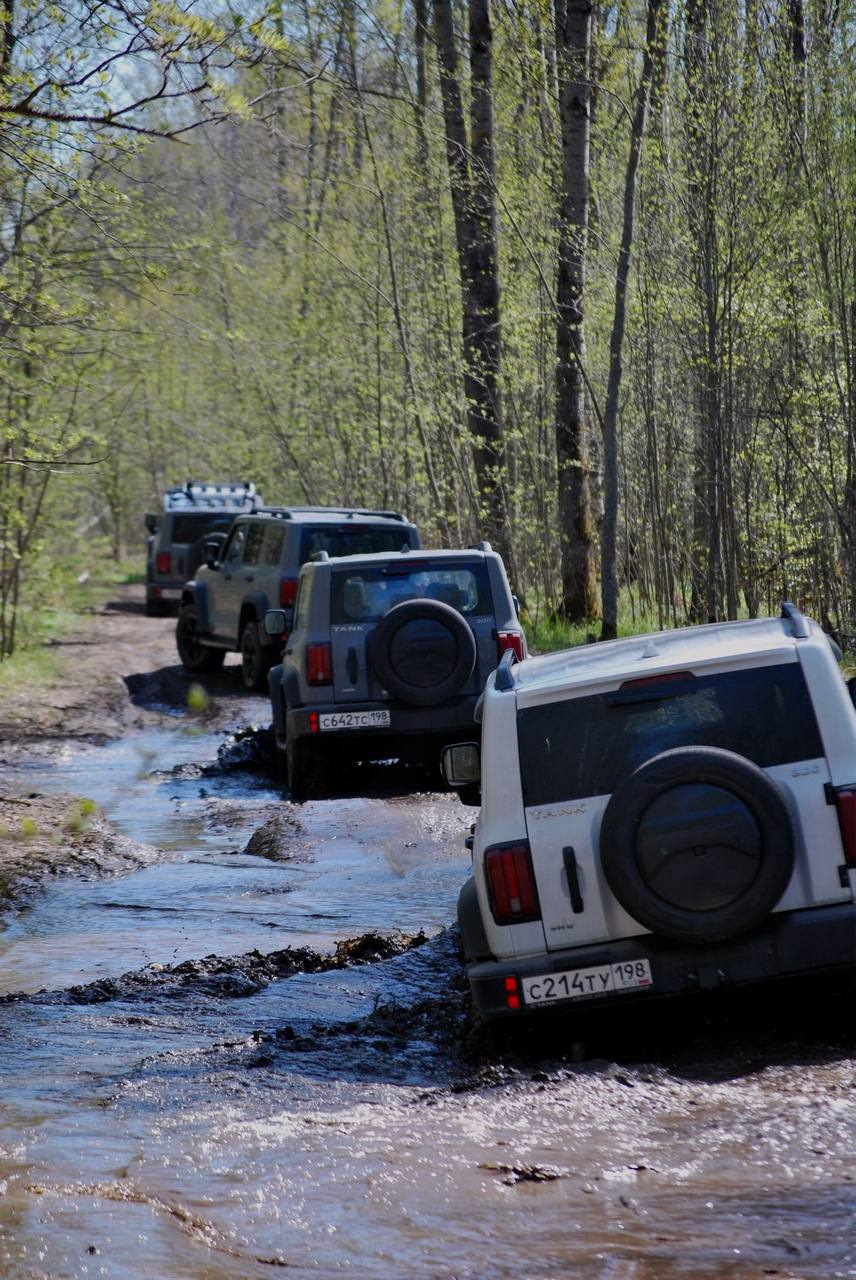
512 640
319 664
511 883
845 804
163 562
287 592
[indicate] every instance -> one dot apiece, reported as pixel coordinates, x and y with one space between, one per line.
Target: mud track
236 1036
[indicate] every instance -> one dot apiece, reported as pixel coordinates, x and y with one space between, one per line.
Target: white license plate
572 984
170 593
353 720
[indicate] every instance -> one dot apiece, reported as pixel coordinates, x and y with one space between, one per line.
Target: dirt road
253 1051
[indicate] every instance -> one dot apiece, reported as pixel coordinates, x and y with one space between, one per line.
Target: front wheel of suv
255 664
195 656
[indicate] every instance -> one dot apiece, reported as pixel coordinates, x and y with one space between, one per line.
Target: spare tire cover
697 844
422 651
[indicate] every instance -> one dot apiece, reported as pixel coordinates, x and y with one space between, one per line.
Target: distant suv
388 657
193 514
661 815
223 608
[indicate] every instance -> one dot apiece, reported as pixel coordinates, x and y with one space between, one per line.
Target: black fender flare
474 943
195 593
256 602
277 701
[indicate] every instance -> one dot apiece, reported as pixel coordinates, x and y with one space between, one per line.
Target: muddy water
216 1119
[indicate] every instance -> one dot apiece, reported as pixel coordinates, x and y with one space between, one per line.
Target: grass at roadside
61 602
545 635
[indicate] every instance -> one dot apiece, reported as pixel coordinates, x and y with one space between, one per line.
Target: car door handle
570 860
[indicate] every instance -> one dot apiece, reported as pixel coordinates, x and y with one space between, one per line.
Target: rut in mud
255 1052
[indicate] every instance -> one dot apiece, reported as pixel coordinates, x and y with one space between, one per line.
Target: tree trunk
579 591
609 567
474 207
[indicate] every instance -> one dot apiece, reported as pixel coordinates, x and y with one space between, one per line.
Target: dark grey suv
223 608
387 656
193 514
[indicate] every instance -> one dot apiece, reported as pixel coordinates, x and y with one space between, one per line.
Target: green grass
58 604
546 634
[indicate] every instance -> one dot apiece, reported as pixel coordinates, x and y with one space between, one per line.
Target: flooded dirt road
202 1079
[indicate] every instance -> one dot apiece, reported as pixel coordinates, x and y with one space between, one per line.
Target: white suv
661 815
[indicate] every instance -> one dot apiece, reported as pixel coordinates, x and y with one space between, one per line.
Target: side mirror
461 764
851 685
151 522
276 622
211 549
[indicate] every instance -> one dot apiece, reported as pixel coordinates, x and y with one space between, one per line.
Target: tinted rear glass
586 746
364 595
191 527
353 540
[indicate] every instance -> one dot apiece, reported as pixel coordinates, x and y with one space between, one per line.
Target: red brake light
845 804
511 883
510 640
287 592
319 664
163 562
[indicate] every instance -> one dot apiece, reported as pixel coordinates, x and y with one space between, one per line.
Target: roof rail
284 513
504 678
797 619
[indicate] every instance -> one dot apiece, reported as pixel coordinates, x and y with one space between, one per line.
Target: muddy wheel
195 656
304 771
254 659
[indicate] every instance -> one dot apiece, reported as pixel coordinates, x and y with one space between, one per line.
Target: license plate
573 984
353 720
170 593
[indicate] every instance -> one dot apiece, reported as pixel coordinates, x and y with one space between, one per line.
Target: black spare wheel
422 652
697 844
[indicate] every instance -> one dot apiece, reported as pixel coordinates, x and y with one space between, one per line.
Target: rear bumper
451 720
815 940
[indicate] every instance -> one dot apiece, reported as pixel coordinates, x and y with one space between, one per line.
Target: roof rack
201 496
797 619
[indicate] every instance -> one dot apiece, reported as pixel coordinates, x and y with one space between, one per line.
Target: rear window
585 746
364 595
189 528
352 540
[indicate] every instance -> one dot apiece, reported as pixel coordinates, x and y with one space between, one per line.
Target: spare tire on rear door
422 652
697 844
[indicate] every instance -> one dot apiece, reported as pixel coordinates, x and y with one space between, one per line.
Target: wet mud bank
45 836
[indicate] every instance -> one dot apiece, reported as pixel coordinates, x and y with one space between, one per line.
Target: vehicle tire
195 656
255 659
422 652
697 844
304 771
